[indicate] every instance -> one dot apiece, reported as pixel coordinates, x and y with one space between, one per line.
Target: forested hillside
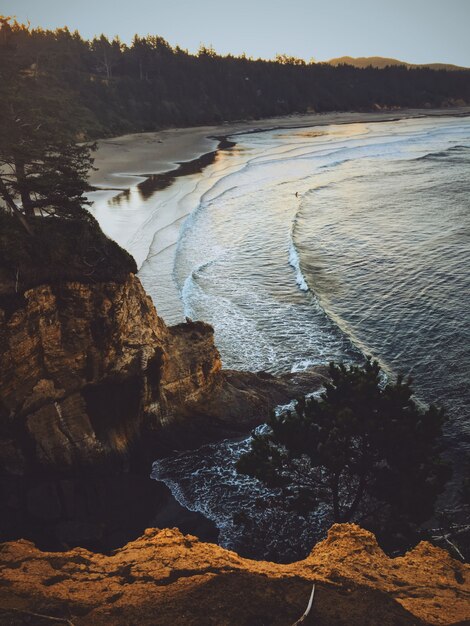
149 84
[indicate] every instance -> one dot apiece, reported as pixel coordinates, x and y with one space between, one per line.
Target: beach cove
321 238
138 206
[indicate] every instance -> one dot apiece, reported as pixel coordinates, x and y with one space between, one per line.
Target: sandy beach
137 205
122 161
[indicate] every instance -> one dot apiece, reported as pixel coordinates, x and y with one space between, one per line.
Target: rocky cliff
94 386
168 578
87 368
84 365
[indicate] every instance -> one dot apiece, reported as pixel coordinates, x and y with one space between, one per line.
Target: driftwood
307 610
439 534
452 545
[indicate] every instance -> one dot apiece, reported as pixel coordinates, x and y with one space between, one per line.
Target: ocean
308 245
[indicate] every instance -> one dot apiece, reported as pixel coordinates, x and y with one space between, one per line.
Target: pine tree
43 170
365 448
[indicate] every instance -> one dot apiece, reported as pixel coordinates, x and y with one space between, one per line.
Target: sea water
315 244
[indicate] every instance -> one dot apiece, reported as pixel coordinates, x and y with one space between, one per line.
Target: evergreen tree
42 168
365 448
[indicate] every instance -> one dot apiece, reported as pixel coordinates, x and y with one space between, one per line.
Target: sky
416 31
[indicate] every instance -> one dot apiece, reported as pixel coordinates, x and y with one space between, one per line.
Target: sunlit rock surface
168 578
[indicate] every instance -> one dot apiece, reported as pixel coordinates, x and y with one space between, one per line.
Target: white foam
294 262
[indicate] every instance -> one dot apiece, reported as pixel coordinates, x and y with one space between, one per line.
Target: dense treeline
149 84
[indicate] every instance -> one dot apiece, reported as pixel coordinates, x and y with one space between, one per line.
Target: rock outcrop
93 387
168 578
83 366
86 368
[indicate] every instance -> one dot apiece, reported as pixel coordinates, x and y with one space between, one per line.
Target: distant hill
381 62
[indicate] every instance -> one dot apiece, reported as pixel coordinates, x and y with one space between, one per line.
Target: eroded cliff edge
168 578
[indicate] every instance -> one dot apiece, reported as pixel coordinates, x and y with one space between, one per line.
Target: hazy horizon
424 31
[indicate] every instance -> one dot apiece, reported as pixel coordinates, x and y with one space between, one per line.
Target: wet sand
124 161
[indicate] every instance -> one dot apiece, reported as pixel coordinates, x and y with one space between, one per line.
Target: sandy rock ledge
167 578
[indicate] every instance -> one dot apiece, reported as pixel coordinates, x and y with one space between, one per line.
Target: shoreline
138 205
152 183
158 152
291 125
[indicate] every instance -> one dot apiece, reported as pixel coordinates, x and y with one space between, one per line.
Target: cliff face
86 367
83 366
93 387
167 578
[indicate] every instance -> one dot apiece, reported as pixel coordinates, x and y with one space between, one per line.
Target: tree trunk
106 65
357 498
16 211
335 495
22 183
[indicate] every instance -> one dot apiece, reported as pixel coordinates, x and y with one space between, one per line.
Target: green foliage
364 447
42 168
